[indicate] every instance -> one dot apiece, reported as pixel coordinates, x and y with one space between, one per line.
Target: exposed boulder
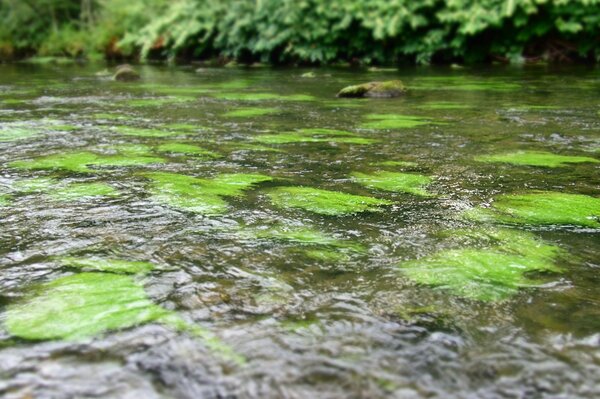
126 73
387 89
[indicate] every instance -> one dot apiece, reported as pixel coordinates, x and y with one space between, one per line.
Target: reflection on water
242 233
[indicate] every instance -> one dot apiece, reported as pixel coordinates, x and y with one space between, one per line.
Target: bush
317 31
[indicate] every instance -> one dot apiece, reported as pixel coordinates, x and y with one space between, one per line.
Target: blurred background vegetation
304 31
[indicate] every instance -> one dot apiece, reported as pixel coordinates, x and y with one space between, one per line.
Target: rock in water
387 89
126 73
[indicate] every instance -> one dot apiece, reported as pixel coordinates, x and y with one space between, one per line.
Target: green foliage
494 271
392 181
314 31
324 202
535 158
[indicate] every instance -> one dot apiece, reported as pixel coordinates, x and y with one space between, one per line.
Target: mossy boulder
126 73
387 89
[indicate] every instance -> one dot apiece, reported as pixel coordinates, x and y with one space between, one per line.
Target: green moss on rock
491 273
80 306
181 148
251 112
325 202
536 158
394 181
392 88
199 195
313 136
394 121
542 208
76 191
82 161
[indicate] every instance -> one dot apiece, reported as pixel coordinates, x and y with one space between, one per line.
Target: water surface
255 285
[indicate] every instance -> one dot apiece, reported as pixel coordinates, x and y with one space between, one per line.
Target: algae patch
263 97
82 161
181 148
324 202
535 158
542 208
82 305
76 191
313 136
251 112
199 195
493 272
88 304
396 182
394 121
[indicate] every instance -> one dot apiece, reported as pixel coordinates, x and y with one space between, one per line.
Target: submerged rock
387 89
126 73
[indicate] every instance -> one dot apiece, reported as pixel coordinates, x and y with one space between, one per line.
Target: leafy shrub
317 31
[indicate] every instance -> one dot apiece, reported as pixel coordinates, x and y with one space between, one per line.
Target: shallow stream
242 233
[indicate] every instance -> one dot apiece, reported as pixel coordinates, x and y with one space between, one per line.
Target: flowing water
169 238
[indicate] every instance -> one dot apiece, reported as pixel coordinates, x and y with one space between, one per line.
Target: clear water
339 323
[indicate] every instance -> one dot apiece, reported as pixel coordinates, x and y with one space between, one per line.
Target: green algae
182 126
251 112
142 132
175 90
75 191
110 117
407 164
254 147
535 158
181 148
306 236
491 273
159 102
394 181
82 161
4 200
199 195
232 85
327 255
36 184
324 202
394 121
118 266
313 136
263 97
133 149
542 208
14 133
88 304
444 105
80 306
13 101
